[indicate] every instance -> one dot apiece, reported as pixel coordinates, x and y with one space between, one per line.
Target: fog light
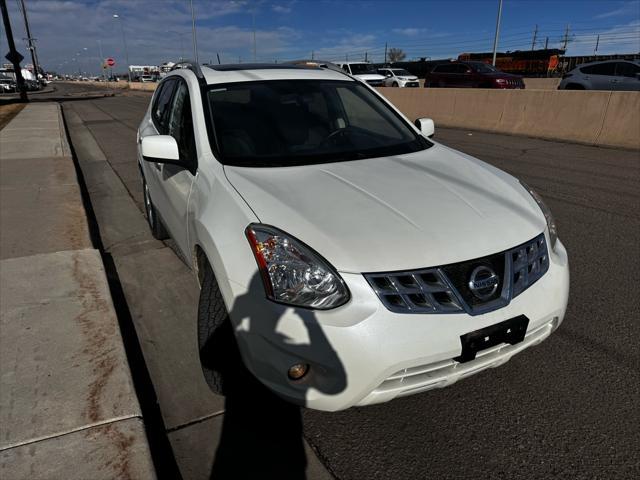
297 371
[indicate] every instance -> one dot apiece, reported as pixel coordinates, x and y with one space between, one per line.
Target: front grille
375 83
448 288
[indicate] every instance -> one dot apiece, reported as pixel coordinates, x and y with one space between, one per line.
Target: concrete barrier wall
541 83
595 118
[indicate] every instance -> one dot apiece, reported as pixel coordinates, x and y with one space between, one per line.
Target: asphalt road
568 408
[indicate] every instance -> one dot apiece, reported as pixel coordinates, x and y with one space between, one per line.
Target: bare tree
396 55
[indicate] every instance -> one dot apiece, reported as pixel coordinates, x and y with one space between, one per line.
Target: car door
176 180
627 78
603 76
157 125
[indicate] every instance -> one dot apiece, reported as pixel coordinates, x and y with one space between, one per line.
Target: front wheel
395 84
220 358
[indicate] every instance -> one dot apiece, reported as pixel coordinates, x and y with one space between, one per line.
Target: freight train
530 63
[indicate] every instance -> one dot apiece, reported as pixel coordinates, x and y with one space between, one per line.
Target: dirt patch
7 112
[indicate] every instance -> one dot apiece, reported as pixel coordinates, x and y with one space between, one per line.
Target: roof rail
315 63
189 64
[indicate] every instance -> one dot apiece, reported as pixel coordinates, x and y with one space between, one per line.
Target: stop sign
110 62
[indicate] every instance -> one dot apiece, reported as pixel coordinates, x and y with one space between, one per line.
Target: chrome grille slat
432 290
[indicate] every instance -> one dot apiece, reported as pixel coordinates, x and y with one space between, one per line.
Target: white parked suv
363 71
398 77
348 258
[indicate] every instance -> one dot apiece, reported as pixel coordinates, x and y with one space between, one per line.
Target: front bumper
361 353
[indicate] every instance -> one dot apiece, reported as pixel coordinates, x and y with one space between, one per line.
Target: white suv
363 71
351 259
398 77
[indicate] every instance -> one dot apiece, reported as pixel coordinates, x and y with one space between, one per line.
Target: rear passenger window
602 69
161 105
624 69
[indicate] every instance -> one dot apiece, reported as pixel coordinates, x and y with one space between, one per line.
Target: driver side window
180 124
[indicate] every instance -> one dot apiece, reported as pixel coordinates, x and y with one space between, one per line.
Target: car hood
369 76
411 211
506 76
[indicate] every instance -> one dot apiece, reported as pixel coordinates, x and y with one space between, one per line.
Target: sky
71 34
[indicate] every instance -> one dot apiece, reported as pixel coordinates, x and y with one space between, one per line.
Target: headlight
293 273
551 223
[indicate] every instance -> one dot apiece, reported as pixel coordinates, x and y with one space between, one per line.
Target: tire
394 84
574 86
220 358
155 224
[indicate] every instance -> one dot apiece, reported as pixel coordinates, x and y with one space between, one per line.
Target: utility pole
13 56
366 56
30 39
312 55
495 40
124 41
385 53
193 33
535 35
218 55
253 25
546 43
566 37
102 69
595 52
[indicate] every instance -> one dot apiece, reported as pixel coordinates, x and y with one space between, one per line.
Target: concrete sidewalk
68 408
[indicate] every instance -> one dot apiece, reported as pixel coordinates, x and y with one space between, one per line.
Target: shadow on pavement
262 435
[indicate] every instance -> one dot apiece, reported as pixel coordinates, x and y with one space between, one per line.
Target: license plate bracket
510 331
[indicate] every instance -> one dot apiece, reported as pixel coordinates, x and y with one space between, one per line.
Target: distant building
138 71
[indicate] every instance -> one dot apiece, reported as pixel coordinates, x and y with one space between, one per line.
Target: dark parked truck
470 75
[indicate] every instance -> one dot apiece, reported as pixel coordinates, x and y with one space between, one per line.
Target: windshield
361 68
295 122
483 67
401 72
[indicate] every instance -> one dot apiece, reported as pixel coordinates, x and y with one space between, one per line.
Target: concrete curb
68 408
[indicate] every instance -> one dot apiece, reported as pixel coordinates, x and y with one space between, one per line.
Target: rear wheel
220 358
155 224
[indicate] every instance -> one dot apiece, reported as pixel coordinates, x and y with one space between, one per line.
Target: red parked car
471 75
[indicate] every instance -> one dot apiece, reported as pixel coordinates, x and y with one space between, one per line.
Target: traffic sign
14 57
110 62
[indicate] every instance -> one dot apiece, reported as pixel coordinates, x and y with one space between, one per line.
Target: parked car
7 85
147 78
398 77
608 75
471 75
364 71
343 257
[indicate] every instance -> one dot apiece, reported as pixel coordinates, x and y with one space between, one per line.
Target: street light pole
101 59
193 33
124 41
495 40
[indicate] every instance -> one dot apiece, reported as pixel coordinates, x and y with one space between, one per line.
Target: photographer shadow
262 434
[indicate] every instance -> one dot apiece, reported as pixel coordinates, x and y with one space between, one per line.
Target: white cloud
281 9
627 8
156 31
409 32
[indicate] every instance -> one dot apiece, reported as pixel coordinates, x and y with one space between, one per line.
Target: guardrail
601 118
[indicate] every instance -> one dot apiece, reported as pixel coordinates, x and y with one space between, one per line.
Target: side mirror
160 149
426 126
388 75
